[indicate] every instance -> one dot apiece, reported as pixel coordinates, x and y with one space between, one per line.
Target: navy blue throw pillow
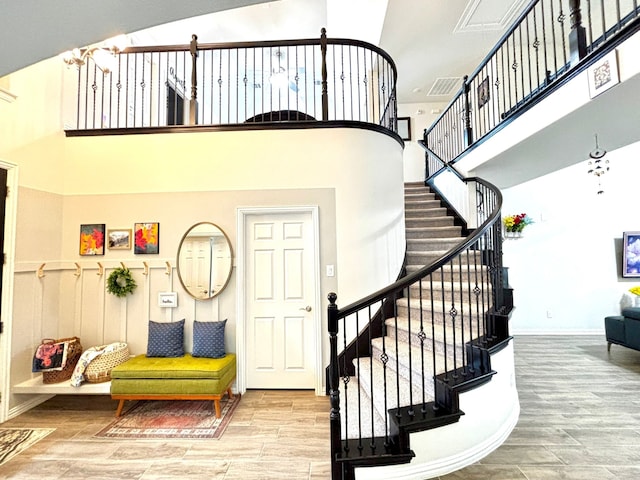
208 339
166 339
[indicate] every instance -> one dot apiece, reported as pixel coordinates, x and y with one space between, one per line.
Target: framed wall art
484 93
119 239
92 239
168 299
146 238
631 254
603 74
404 128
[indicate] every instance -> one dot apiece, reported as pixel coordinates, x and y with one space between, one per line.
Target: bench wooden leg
119 409
216 404
230 393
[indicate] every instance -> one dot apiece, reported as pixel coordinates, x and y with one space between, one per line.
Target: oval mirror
204 260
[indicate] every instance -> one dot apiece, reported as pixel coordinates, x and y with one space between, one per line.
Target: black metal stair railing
438 323
549 43
233 84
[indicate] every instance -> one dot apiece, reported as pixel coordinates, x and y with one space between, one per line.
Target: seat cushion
143 367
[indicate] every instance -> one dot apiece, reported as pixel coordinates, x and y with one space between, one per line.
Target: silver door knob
307 308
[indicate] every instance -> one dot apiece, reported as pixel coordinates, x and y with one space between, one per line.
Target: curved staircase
432 346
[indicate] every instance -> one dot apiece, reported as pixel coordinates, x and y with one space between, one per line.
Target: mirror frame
227 280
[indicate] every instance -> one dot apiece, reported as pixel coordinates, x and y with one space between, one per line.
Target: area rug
160 419
16 440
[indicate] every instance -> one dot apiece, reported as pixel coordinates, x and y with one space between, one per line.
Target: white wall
353 175
566 270
422 116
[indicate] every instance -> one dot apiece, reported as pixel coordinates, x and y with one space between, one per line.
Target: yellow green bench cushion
187 366
175 378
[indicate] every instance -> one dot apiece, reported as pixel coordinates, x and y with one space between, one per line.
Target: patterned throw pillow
166 339
208 339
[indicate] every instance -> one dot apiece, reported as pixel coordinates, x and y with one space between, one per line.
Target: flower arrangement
120 282
516 223
635 290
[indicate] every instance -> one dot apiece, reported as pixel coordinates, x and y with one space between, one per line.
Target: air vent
445 86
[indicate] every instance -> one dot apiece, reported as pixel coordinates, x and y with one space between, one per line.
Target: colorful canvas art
92 239
147 238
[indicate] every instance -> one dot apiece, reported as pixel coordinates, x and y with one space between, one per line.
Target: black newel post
468 132
577 35
334 392
193 104
425 140
325 94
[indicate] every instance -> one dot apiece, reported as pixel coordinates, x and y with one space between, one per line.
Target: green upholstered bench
173 378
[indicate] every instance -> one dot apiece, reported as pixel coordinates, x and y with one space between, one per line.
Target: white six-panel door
280 300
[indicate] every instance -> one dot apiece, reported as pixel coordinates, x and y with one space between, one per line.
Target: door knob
307 308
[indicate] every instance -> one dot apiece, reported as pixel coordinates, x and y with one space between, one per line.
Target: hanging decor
598 166
120 282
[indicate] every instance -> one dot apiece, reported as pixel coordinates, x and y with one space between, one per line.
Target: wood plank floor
580 419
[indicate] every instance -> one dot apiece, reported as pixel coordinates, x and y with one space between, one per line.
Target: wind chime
598 166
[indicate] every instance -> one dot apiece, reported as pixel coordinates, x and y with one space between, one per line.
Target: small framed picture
168 299
146 238
92 239
119 239
404 128
603 74
484 92
631 254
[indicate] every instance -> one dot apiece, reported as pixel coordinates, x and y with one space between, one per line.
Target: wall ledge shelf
36 386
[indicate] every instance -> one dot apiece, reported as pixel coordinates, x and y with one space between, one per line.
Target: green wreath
121 282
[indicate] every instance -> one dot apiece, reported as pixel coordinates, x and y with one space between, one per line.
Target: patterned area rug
158 419
16 440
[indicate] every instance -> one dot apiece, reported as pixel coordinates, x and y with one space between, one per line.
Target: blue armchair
624 329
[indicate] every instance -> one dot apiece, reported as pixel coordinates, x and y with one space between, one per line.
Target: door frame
243 213
6 301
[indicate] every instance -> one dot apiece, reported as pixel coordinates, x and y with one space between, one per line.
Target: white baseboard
28 405
595 331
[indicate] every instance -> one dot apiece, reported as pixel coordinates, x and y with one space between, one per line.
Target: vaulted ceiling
434 43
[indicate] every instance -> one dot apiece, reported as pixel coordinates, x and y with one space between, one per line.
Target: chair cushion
208 339
165 339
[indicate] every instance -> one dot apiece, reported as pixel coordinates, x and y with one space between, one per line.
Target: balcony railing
220 85
551 41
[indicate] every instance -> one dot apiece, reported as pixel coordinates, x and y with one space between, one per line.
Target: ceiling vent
445 86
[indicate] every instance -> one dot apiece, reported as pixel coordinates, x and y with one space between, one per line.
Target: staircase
421 342
413 351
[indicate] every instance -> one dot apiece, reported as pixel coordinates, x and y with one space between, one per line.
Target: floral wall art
92 239
147 238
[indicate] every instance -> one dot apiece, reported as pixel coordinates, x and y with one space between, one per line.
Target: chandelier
103 55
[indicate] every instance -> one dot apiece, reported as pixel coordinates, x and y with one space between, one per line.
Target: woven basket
99 369
74 351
